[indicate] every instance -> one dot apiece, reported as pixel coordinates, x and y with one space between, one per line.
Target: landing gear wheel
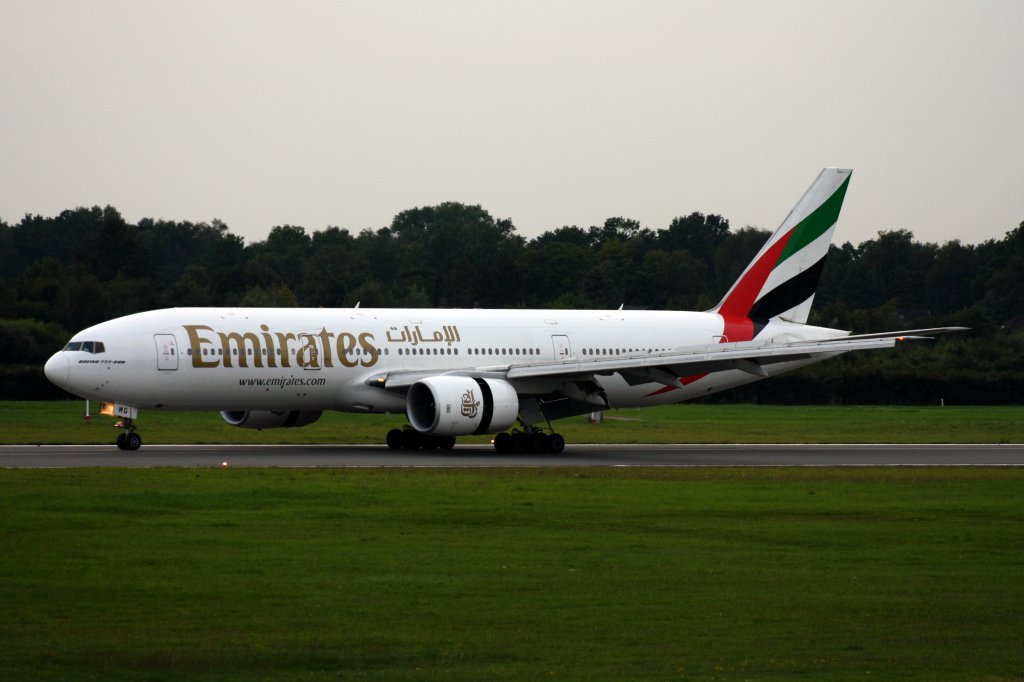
520 443
411 440
556 443
503 442
128 440
394 439
445 442
539 442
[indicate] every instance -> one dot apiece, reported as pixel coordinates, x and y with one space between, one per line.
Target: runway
69 456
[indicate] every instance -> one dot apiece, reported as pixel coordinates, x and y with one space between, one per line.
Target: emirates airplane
462 372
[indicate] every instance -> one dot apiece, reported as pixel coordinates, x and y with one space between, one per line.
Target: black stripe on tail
789 294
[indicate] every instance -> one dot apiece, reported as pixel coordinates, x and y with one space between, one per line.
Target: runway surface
64 456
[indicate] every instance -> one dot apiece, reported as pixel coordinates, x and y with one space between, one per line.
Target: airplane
457 372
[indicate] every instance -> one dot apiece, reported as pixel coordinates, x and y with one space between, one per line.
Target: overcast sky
548 113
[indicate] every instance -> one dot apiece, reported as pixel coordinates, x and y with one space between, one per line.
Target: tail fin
783 277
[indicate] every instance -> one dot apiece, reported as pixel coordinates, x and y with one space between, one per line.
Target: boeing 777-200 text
461 372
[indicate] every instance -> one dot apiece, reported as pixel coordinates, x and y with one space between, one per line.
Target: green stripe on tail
816 224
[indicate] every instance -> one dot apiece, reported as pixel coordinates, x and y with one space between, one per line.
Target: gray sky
549 113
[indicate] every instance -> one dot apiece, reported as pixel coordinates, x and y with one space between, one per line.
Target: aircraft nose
57 369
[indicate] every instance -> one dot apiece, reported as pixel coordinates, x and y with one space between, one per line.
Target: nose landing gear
128 439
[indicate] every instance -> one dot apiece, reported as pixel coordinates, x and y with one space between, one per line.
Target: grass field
62 422
525 574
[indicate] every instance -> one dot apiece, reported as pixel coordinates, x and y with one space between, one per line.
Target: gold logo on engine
470 404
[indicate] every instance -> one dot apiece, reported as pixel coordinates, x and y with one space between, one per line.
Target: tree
673 281
86 265
616 229
950 283
280 259
894 267
697 234
466 258
333 270
29 341
733 252
168 248
552 268
276 296
1004 286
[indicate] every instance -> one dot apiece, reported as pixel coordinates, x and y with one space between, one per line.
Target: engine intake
460 406
269 419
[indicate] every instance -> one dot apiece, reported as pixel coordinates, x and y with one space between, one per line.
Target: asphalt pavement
65 456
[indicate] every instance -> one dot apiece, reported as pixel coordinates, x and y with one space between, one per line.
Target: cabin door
309 355
166 351
563 351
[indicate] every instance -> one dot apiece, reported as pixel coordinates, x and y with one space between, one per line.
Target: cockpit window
87 346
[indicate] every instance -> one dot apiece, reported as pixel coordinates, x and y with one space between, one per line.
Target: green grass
664 574
61 422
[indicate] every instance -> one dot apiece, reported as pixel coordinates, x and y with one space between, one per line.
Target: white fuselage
323 359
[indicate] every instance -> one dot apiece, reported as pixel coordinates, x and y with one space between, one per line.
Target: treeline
61 274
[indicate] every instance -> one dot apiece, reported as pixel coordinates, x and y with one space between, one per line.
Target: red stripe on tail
741 298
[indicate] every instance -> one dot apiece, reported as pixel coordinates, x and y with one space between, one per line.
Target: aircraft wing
667 367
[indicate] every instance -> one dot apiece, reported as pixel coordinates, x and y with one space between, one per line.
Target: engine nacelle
460 406
269 419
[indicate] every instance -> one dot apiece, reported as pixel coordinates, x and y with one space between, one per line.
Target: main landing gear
531 439
128 439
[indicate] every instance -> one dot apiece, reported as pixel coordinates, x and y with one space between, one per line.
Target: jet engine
270 419
459 406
